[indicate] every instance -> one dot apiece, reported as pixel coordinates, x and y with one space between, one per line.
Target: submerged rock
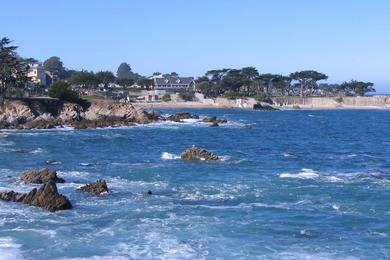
41 176
149 192
195 153
96 188
46 197
180 116
214 124
19 150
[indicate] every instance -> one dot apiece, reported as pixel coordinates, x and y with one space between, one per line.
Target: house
37 74
171 84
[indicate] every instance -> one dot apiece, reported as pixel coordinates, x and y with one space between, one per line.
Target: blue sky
343 38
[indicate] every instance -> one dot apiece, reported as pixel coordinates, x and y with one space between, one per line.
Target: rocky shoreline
48 113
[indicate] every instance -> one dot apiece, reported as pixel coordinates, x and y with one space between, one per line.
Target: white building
37 74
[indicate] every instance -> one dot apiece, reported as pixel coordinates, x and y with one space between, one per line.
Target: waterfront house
171 84
37 74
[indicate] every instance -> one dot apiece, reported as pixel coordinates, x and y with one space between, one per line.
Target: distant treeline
232 83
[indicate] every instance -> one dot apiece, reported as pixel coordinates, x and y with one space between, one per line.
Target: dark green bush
187 95
62 90
166 98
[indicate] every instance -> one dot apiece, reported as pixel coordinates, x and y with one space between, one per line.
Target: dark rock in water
214 119
149 192
195 153
53 162
11 196
46 197
264 107
102 121
96 188
19 150
41 124
214 124
180 116
248 126
41 176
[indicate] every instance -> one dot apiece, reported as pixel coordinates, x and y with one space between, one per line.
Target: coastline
194 104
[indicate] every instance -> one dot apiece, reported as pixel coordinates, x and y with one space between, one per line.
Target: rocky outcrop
46 113
181 116
41 176
195 153
46 197
96 188
214 120
264 107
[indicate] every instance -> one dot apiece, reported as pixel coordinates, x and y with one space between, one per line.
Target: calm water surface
298 185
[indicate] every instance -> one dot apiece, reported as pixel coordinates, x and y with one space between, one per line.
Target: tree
267 79
145 82
307 79
124 71
104 77
62 90
281 83
84 78
55 66
216 75
232 82
249 74
174 74
124 82
13 70
359 88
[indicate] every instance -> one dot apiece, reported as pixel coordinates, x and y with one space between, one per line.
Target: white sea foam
38 150
157 245
6 143
85 164
224 158
169 156
304 174
335 207
45 232
9 249
287 155
334 179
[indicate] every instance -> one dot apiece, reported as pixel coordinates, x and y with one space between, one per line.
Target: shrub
166 98
62 90
187 95
339 100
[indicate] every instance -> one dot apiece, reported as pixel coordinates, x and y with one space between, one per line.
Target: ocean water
297 185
